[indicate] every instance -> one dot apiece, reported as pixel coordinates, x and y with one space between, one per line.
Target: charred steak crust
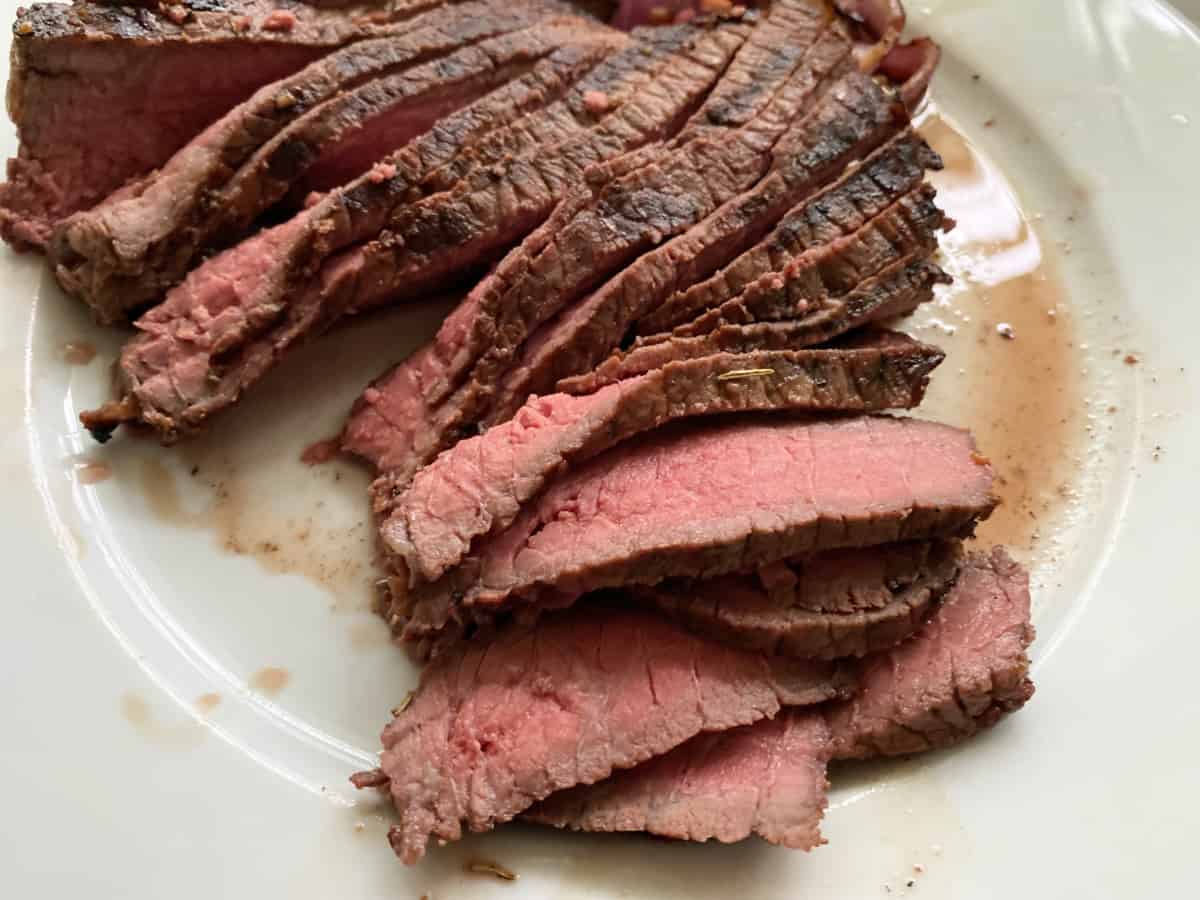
399 427
102 93
820 278
123 254
898 289
855 110
167 371
858 196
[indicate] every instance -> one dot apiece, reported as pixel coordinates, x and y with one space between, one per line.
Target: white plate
135 601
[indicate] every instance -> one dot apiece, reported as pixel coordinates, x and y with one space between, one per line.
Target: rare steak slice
123 254
480 484
709 498
101 93
861 194
964 671
834 604
766 779
235 316
897 290
497 726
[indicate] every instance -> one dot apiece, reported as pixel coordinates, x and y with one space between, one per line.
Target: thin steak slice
480 484
766 779
819 315
897 290
497 726
102 93
854 118
422 406
234 317
577 340
124 253
835 604
965 670
710 498
861 194
821 277
428 238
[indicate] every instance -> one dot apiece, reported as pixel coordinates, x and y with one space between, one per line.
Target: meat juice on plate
1012 369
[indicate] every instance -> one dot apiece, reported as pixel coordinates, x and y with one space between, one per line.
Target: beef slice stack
103 93
610 718
644 512
412 159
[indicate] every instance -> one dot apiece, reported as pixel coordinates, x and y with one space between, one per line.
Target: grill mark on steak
469 332
898 289
907 229
103 93
619 83
478 751
835 604
279 258
583 334
176 375
766 779
480 484
965 670
402 421
701 501
430 238
363 208
126 252
774 53
844 206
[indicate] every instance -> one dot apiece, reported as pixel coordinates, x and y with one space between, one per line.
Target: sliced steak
778 49
819 278
429 401
480 484
705 499
428 239
861 194
606 88
835 604
102 93
855 117
964 671
497 726
897 290
233 318
124 253
818 315
766 779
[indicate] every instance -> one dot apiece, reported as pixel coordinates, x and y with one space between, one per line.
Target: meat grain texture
495 728
637 503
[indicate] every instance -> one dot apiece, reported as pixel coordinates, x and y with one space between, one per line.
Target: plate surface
190 670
